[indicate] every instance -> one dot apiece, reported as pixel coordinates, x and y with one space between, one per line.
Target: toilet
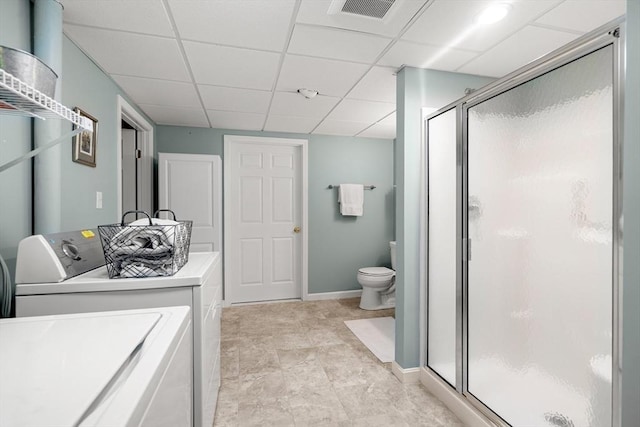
378 285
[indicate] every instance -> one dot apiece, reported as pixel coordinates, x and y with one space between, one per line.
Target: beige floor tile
330 354
230 366
297 357
270 412
320 337
256 387
297 364
389 419
352 372
291 341
258 361
360 402
317 406
306 377
229 389
226 413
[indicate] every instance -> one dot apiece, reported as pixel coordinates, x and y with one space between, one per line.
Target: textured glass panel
441 343
540 220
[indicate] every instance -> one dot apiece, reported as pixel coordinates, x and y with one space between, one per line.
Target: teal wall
631 211
84 85
338 246
15 141
416 88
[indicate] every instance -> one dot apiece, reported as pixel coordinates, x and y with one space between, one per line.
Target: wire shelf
17 97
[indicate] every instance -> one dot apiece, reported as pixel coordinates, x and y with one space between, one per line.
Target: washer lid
54 367
376 271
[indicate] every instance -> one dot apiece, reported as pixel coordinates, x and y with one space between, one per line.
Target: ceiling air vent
377 9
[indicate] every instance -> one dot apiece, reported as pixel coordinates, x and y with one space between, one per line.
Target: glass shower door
442 265
540 285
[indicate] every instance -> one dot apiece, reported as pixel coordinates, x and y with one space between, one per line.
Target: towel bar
366 187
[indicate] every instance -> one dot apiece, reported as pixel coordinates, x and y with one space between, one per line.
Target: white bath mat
378 334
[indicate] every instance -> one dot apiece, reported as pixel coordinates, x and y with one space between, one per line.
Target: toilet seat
376 272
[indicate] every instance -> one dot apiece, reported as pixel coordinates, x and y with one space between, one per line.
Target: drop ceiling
237 64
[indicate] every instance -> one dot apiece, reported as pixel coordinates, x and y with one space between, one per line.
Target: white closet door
191 186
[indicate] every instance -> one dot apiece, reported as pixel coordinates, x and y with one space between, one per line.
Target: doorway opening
134 160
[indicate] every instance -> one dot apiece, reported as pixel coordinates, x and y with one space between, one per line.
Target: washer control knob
70 250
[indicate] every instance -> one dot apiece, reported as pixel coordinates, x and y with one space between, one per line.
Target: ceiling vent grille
370 8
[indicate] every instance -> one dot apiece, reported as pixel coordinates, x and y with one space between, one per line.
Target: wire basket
140 249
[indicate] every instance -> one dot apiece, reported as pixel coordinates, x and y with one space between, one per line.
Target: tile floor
297 364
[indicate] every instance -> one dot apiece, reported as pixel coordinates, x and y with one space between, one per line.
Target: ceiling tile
139 16
131 54
337 44
234 67
338 127
518 50
379 131
294 104
235 120
390 120
449 23
327 76
315 12
231 99
175 116
292 124
423 56
233 51
244 23
379 84
581 15
159 92
353 110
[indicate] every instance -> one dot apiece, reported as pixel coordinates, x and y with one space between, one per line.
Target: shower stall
523 240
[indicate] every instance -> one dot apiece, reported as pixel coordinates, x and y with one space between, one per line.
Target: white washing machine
118 368
57 274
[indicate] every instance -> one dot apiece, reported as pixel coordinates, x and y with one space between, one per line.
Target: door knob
296 229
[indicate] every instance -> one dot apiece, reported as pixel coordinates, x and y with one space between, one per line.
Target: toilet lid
376 271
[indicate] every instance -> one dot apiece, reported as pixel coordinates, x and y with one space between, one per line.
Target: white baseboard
310 297
406 376
334 295
453 400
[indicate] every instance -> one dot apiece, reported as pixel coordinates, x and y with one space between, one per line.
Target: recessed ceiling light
493 14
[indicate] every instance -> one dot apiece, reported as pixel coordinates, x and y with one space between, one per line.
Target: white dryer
47 282
118 368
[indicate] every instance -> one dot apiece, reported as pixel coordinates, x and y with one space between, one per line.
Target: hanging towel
351 199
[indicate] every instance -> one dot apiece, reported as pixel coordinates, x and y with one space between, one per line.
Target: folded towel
351 199
142 251
140 240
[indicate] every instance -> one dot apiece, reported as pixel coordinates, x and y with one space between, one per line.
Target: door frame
229 140
144 129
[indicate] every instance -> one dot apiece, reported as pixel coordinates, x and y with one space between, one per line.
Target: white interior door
264 219
191 186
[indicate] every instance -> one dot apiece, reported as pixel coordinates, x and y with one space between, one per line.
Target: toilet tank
392 246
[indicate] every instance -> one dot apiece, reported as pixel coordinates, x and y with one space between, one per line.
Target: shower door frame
609 34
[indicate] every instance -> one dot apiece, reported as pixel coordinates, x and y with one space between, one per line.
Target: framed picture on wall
84 143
